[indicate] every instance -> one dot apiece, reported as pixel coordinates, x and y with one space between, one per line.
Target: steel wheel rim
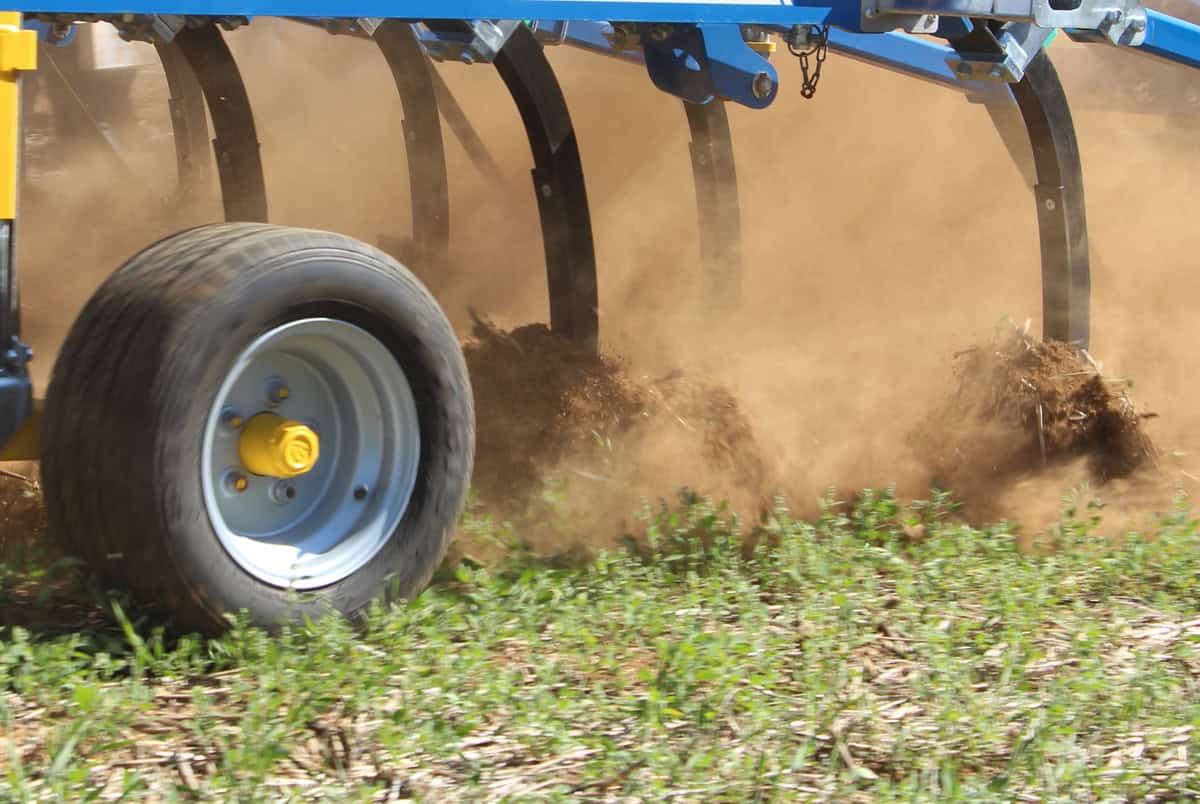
348 387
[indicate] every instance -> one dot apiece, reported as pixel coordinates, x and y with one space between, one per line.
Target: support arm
18 51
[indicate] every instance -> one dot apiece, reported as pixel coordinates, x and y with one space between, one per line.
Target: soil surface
1023 406
550 413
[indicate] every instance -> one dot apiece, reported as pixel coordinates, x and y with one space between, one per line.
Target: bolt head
360 492
762 86
278 391
236 482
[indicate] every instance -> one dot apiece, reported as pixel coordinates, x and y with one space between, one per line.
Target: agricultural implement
252 417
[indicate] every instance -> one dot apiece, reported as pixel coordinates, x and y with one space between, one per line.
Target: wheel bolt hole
283 492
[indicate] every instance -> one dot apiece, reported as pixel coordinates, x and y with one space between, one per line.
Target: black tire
140 370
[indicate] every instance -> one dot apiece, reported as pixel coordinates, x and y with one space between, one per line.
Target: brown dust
885 229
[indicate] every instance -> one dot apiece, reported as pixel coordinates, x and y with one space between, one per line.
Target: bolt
277 391
799 36
660 33
1050 205
236 482
868 13
547 191
360 493
231 419
762 86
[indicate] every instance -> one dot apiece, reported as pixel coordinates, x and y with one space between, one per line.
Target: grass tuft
882 651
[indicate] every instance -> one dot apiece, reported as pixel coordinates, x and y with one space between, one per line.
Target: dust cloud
885 226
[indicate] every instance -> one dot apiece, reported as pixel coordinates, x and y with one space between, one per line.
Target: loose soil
1023 406
552 414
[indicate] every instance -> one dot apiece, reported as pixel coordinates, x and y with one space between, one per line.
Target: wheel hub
273 446
310 453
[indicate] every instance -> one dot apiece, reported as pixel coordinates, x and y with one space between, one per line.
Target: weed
881 652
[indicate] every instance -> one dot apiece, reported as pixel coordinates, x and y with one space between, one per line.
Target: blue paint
779 12
1171 39
700 62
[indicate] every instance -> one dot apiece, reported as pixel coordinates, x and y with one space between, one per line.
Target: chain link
819 48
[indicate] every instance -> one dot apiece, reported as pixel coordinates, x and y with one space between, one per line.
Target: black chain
820 48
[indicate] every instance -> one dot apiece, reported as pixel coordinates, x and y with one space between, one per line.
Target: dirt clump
1024 405
551 413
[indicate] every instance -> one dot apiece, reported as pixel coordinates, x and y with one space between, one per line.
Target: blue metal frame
705 56
1167 39
1171 39
764 12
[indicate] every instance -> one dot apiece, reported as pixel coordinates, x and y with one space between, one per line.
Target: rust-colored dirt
549 411
885 227
1023 406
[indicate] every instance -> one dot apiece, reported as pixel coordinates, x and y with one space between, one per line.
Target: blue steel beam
898 52
763 12
1171 39
1167 39
918 58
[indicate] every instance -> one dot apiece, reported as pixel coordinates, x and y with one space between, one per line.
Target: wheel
249 417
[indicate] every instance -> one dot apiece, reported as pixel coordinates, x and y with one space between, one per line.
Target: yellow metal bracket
18 47
18 51
25 445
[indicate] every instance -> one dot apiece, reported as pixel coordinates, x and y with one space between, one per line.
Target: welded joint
480 44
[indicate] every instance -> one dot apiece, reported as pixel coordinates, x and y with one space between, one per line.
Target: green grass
883 653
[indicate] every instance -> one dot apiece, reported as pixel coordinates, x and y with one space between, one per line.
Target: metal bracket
1122 22
481 43
152 28
876 20
701 62
596 37
1015 45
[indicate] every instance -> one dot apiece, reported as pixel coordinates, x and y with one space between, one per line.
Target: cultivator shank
329 300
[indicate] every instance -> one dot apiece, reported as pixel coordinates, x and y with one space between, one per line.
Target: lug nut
231 419
278 391
360 493
236 482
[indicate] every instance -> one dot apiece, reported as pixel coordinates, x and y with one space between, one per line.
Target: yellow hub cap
276 447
